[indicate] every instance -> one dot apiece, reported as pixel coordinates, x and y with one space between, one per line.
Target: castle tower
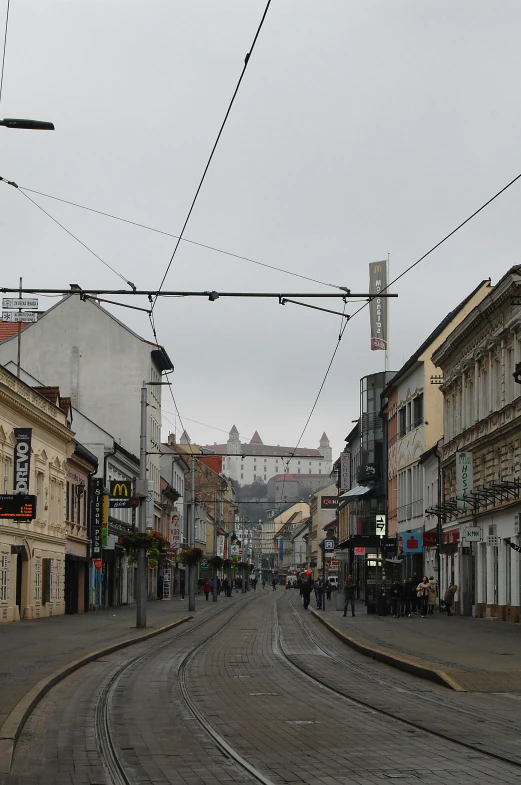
325 449
233 444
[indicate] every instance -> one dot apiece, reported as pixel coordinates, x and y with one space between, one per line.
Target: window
264 460
309 471
320 471
39 494
58 580
299 471
242 476
3 577
38 579
417 410
310 463
402 421
51 579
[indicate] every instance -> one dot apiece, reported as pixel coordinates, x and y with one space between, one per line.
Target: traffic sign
380 525
329 545
16 316
10 302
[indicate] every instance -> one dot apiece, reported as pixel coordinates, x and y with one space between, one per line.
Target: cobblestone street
256 689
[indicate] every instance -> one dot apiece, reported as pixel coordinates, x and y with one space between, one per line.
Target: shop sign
327 502
22 459
368 471
464 478
120 493
472 534
359 551
410 541
430 539
345 471
97 517
451 538
98 564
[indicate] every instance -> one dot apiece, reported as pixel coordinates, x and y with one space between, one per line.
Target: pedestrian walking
319 594
414 599
349 595
329 589
396 599
433 594
274 584
182 587
422 591
263 583
448 597
207 588
254 584
408 593
306 589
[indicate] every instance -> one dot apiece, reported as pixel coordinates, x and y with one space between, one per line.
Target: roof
258 448
234 430
432 337
256 439
298 477
10 329
324 438
158 353
331 524
82 452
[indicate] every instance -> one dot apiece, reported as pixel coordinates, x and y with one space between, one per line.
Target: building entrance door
19 582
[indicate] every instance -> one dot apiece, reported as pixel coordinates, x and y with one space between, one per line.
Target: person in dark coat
349 595
329 589
306 590
396 599
408 592
415 602
182 587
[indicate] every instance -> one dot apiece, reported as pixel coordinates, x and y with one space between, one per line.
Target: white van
291 582
333 580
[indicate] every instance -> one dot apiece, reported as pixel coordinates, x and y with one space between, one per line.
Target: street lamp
29 125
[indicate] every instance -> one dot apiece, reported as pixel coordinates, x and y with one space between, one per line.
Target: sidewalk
476 655
33 650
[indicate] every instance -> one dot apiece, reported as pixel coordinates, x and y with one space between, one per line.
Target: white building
247 462
100 364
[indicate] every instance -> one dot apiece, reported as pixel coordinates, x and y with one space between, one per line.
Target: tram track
280 650
118 773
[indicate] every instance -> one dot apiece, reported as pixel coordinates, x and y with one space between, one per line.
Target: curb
401 663
13 725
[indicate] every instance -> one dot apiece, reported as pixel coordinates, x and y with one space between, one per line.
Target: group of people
412 597
307 586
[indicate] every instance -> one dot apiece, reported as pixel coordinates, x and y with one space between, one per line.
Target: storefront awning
360 490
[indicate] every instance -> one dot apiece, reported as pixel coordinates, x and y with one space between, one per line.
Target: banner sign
22 459
410 541
378 306
97 517
105 521
430 539
472 534
464 478
451 538
120 493
345 471
327 502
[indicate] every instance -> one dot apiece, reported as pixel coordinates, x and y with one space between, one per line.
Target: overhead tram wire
246 61
4 49
398 277
55 220
176 237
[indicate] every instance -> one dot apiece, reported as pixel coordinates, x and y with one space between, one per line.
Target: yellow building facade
32 554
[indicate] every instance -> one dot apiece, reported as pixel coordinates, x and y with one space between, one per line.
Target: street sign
16 316
342 555
10 302
329 545
19 506
380 525
472 534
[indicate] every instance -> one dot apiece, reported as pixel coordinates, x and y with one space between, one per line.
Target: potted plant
216 562
153 541
190 557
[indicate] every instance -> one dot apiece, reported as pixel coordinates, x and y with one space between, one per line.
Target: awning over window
361 490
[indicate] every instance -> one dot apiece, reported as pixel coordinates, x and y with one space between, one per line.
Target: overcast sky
362 127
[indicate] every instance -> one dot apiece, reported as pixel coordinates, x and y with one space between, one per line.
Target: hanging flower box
227 563
153 541
190 557
216 562
245 566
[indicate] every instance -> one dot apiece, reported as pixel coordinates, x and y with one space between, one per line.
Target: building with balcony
479 509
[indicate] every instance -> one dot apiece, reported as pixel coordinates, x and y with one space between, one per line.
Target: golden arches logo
119 489
377 268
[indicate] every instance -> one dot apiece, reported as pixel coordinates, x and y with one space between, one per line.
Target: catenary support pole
141 619
214 584
192 569
19 337
323 575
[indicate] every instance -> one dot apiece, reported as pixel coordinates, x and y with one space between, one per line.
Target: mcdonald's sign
378 305
120 493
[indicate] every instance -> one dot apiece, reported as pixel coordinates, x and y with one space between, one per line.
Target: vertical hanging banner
97 517
105 521
378 306
345 471
22 459
464 479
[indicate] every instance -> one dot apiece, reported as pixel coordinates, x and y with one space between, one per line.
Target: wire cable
129 283
194 200
176 237
5 47
398 277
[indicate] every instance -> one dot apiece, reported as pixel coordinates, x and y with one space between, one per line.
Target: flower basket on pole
216 562
153 541
245 566
190 557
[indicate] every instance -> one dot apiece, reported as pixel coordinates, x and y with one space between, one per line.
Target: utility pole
142 491
214 586
192 568
19 337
